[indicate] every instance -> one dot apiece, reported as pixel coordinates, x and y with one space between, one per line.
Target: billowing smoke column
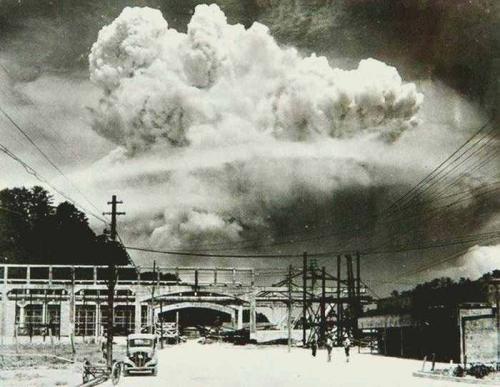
245 131
167 87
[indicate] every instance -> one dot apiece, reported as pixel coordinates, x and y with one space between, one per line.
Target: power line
422 268
430 180
236 246
201 254
475 238
45 156
435 181
30 170
465 239
434 173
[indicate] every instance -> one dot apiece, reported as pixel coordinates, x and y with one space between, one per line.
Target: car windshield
140 343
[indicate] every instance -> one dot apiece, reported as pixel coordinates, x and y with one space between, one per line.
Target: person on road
329 345
314 345
347 348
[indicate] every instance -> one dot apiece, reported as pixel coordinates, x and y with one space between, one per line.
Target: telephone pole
289 322
304 300
111 282
152 329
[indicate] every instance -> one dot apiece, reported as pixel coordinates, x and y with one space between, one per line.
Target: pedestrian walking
347 348
329 346
314 345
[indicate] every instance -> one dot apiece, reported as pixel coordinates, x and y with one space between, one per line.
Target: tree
22 209
33 230
108 252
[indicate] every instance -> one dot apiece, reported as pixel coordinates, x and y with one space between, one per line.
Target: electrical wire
434 172
30 170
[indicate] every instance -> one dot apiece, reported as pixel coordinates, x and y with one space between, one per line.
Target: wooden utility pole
153 299
339 302
289 322
72 317
497 302
161 323
111 282
358 277
323 305
304 300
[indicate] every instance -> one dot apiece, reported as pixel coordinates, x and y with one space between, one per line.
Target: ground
195 365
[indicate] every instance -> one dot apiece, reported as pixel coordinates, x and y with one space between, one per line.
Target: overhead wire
437 180
436 170
249 243
30 170
41 151
438 244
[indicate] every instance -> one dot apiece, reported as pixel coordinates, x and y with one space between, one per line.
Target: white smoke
230 132
162 86
478 261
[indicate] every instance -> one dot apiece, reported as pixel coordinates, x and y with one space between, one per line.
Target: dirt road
195 365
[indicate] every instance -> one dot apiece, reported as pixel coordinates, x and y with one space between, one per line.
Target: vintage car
141 354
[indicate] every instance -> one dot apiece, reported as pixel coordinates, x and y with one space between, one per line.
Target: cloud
224 136
477 261
164 86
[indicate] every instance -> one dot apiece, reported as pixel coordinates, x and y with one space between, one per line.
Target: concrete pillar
2 307
28 275
97 326
137 315
240 317
22 315
233 318
50 276
253 314
10 318
44 313
66 325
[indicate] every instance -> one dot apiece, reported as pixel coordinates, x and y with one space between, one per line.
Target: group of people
329 344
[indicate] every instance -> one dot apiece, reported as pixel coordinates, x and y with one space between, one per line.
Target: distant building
413 327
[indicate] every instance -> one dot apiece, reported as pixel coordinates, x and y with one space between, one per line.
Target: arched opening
196 318
193 320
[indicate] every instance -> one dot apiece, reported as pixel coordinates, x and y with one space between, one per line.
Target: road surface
195 365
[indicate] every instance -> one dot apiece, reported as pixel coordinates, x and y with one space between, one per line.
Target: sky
261 127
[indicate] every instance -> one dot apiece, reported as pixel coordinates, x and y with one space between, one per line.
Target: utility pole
289 325
350 295
111 282
358 276
339 302
496 283
304 305
153 299
323 305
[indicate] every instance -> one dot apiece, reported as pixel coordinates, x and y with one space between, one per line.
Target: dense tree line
35 230
440 293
